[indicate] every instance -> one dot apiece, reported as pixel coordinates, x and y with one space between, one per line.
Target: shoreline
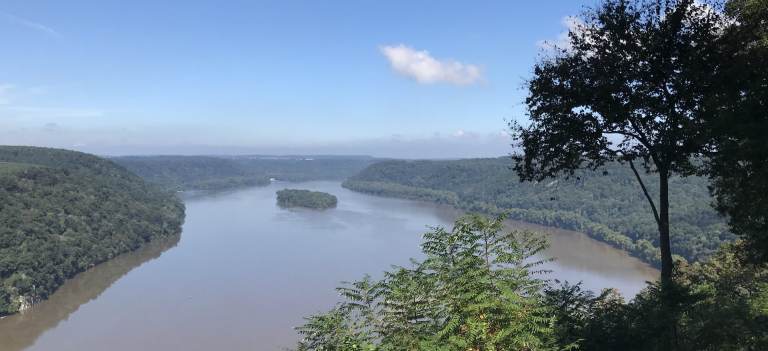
621 243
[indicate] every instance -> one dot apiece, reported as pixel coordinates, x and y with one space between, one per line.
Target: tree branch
645 191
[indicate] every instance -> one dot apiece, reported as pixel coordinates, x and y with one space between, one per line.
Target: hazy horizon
271 78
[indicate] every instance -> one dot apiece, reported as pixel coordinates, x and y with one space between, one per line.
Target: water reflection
20 331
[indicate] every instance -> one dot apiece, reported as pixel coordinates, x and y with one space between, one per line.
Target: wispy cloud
562 42
29 24
424 68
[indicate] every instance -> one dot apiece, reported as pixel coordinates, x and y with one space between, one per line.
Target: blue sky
388 78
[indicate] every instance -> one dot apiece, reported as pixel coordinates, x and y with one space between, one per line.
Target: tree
486 286
331 331
738 124
476 290
628 88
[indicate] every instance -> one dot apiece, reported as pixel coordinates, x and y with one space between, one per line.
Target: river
245 271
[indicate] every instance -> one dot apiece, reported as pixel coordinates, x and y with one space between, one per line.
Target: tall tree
628 87
738 166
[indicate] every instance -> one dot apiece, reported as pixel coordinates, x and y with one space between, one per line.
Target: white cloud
562 42
424 68
30 24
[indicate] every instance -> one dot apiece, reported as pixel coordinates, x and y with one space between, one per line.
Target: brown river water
244 272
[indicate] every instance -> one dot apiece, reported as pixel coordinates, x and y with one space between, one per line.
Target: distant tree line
604 205
228 172
191 172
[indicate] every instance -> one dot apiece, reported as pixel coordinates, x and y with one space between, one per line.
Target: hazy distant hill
222 172
191 172
608 206
64 211
304 168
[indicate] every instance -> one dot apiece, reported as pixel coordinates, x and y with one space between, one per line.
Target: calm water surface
244 272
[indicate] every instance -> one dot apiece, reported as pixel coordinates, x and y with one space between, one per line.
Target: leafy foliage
479 289
714 305
476 290
629 87
63 212
739 125
305 198
606 206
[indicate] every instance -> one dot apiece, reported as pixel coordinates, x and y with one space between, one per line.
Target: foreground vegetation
669 89
305 198
479 288
605 205
62 212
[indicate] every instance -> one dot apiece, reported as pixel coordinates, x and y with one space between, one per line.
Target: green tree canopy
628 87
477 289
738 165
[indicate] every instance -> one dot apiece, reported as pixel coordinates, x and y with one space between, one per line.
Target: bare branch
645 191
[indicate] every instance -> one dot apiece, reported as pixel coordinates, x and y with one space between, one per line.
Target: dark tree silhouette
629 87
738 165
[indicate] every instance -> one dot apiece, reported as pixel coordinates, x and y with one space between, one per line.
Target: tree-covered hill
305 168
191 172
606 205
62 212
225 172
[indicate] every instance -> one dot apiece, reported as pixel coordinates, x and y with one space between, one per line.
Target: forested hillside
606 205
217 173
305 168
191 172
62 212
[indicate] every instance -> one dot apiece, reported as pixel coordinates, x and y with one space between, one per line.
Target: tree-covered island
305 198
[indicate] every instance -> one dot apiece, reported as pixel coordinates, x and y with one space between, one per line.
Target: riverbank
606 204
245 272
66 211
641 249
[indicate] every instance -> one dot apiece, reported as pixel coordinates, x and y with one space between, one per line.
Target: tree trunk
667 300
664 244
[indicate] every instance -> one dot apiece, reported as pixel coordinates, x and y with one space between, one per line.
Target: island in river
317 200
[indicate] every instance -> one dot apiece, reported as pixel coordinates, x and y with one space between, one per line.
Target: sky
414 79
